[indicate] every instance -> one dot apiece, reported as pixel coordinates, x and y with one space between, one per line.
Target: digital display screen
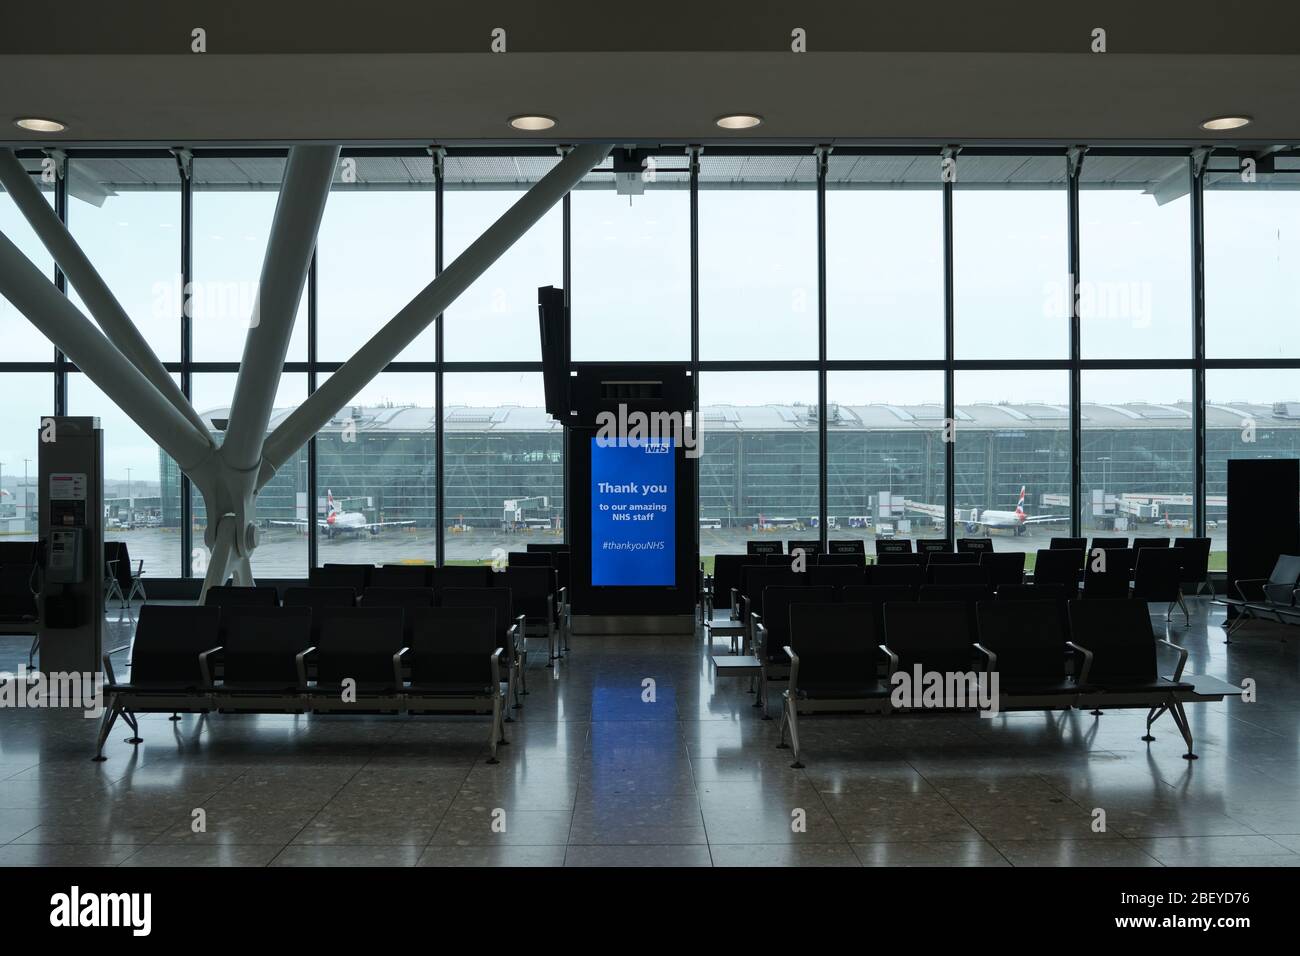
633 524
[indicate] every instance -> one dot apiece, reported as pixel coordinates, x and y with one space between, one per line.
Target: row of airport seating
768 609
1156 577
857 546
1275 598
848 656
296 659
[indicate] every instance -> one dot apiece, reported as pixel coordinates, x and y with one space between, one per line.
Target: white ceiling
123 74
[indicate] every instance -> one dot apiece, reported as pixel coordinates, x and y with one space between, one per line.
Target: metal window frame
1198 364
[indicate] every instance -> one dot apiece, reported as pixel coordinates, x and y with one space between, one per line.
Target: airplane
337 521
1017 520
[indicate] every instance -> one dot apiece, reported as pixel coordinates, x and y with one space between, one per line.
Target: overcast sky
758 294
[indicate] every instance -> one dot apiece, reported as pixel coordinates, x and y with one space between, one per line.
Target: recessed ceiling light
532 123
739 121
1226 122
38 125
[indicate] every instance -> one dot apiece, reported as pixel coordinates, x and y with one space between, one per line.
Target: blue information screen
633 524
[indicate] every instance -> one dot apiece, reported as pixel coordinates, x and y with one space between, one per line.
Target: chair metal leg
1180 718
135 737
794 732
494 733
105 727
1187 615
785 708
1153 715
31 651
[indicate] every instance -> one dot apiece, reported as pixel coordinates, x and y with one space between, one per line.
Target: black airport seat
726 580
510 629
953 557
127 575
226 595
1035 592
529 558
968 593
1121 669
878 593
754 579
954 575
354 576
975 545
846 546
17 602
893 546
897 575
1025 643
1107 544
900 558
1195 553
319 598
406 598
759 548
837 575
456 666
1107 574
857 559
772 630
401 576
532 593
462 576
811 548
1140 544
264 658
1157 579
832 658
1068 544
167 667
1060 566
1004 568
935 636
932 546
783 560
361 649
1272 597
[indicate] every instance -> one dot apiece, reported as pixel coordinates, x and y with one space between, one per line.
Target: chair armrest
1082 676
495 660
139 568
550 609
990 658
794 669
1182 656
735 603
397 667
1240 581
203 663
563 595
892 657
108 669
300 662
760 635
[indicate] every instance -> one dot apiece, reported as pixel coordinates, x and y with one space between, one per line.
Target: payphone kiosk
71 547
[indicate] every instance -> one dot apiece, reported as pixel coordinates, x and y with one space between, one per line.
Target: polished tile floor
596 775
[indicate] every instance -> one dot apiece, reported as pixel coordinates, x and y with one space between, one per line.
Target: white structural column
428 304
121 363
99 299
228 496
34 295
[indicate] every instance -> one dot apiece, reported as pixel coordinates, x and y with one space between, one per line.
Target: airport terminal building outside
504 472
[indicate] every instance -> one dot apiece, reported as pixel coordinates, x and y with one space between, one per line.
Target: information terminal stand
631 501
